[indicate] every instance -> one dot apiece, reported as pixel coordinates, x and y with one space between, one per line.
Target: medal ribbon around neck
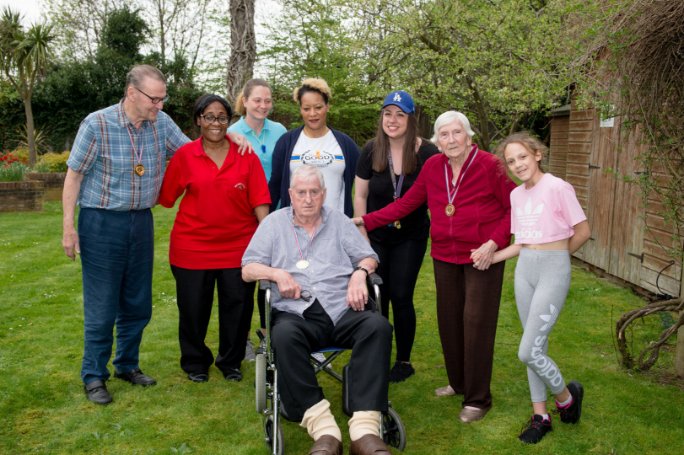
139 168
302 263
395 185
450 209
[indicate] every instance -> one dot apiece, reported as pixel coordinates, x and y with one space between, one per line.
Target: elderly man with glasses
115 172
319 262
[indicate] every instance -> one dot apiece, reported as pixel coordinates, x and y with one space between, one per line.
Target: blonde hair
312 84
246 92
527 140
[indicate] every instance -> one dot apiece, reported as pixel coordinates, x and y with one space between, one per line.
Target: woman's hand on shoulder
244 146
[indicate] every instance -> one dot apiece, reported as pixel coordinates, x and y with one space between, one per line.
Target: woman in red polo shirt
226 196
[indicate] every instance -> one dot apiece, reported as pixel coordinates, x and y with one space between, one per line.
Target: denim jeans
117 251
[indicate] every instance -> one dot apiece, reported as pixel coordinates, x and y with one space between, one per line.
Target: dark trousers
399 268
117 251
467 312
366 333
195 297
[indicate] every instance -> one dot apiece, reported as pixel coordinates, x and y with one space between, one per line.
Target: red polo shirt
215 220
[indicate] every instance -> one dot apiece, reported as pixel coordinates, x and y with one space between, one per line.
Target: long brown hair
381 147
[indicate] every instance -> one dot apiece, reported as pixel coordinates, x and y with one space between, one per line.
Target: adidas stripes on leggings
542 280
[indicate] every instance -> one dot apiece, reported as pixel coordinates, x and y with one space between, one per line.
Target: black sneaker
536 430
232 374
401 371
572 413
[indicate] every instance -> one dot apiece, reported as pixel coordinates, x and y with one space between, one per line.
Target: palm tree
26 55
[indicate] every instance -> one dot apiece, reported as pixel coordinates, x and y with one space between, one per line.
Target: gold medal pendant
397 224
449 210
139 169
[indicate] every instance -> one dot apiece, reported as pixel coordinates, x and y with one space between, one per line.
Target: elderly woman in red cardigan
467 191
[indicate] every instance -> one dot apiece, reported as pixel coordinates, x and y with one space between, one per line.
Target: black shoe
232 374
536 430
198 377
136 377
572 413
97 392
401 371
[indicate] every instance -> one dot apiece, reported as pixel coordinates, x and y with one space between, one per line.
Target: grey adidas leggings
542 280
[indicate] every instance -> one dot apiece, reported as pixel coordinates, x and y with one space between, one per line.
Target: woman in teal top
254 104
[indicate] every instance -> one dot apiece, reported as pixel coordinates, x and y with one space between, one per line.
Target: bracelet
358 267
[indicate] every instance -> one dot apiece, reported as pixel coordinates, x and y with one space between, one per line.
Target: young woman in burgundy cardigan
467 191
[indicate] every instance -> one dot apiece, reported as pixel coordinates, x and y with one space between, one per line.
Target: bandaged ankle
363 423
319 421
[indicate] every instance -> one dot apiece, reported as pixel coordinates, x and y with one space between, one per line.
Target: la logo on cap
397 97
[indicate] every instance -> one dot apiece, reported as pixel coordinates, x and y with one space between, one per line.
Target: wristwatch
358 267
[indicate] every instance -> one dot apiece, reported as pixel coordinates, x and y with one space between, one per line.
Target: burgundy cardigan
483 206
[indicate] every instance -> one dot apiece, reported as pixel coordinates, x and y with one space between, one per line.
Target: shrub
12 171
52 162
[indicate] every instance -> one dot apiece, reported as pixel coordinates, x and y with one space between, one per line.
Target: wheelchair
266 382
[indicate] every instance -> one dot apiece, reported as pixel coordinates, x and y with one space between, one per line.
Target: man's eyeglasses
154 99
212 118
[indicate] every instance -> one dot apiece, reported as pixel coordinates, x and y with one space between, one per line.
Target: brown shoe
326 445
471 414
445 391
369 445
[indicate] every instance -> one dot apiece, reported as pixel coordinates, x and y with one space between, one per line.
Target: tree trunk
30 131
242 47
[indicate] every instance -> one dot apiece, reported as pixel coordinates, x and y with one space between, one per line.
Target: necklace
138 168
396 185
303 263
449 210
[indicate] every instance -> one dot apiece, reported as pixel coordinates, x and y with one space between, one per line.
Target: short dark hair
205 100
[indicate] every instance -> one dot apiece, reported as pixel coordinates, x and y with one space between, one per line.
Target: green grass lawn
43 408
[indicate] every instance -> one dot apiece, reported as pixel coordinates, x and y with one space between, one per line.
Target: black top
414 226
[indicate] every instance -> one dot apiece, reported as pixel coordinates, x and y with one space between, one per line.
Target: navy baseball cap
402 100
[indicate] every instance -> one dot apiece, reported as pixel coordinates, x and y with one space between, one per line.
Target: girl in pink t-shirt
549 225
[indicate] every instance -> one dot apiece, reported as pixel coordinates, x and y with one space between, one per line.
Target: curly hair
312 84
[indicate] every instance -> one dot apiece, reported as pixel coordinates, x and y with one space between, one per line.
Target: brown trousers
467 312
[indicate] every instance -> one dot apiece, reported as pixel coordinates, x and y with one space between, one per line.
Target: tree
497 61
25 57
242 47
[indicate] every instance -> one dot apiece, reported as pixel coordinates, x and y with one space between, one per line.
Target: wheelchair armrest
264 284
375 279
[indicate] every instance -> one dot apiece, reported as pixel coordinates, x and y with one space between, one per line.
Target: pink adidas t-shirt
546 212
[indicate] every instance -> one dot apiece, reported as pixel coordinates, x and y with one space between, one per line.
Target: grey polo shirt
336 248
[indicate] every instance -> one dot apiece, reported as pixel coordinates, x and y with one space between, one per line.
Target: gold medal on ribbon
449 209
302 264
139 169
397 224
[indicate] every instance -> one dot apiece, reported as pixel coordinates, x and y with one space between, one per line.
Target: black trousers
399 268
366 333
195 296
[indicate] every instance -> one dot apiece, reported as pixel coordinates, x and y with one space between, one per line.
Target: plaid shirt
104 154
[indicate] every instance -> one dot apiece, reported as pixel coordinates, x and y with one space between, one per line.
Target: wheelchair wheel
393 431
260 382
271 439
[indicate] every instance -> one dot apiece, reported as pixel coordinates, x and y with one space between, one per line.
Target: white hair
307 172
448 117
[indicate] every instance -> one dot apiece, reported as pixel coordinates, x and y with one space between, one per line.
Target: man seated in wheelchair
319 262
